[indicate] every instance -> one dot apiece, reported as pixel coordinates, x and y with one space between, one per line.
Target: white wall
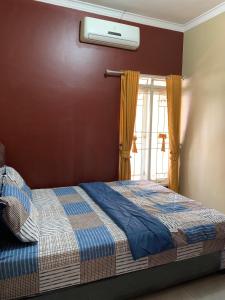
202 173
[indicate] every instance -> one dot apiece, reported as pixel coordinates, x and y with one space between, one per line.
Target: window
151 130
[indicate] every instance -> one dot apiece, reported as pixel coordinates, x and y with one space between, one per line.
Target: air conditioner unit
102 32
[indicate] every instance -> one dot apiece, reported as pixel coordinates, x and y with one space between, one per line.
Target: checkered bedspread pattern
79 243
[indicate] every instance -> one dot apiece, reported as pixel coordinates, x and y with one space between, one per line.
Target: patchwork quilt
80 243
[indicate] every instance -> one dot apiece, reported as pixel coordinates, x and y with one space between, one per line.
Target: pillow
19 213
2 171
19 181
6 235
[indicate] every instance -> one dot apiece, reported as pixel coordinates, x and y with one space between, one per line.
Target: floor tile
170 294
208 288
177 293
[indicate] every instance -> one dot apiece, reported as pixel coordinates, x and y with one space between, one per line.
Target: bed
82 252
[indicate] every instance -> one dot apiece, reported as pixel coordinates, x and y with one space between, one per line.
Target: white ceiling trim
127 16
114 13
217 10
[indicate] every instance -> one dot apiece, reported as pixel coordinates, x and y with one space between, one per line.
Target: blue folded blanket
146 234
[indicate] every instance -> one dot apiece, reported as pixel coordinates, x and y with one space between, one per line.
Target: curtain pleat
174 83
128 104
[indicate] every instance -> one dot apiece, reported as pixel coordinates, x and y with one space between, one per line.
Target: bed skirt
137 283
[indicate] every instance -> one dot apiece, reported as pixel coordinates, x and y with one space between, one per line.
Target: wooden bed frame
134 284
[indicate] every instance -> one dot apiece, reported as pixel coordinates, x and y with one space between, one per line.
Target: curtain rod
114 73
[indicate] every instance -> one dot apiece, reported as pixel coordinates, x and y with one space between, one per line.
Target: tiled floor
208 288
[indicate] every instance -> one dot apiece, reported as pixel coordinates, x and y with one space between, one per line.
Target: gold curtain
173 83
128 104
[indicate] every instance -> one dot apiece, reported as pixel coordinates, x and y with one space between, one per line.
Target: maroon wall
59 115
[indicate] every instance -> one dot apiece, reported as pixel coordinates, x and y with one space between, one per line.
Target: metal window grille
150 162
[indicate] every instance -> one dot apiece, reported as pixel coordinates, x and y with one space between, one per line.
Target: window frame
149 89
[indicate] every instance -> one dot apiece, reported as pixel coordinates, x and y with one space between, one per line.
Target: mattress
79 242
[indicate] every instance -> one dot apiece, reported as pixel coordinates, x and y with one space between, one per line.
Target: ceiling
177 11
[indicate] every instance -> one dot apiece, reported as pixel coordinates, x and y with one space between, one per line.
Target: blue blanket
146 234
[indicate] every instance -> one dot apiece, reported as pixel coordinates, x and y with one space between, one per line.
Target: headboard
2 155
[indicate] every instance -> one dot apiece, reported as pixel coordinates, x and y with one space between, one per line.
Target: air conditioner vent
102 32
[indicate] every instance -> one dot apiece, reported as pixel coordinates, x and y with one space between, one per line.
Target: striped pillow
19 213
6 235
2 171
19 181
